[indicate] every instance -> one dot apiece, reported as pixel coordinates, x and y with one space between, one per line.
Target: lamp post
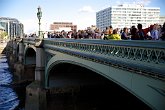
39 15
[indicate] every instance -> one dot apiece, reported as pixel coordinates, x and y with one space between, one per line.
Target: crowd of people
153 32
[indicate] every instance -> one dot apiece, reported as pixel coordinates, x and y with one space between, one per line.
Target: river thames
8 97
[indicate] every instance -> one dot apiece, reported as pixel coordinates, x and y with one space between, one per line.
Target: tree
3 35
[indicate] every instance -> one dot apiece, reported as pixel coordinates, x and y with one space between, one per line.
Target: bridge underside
30 64
74 87
30 57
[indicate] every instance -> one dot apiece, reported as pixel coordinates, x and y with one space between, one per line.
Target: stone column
14 48
35 92
21 52
12 54
19 66
35 97
40 65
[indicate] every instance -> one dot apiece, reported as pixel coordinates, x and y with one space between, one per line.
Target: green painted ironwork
142 56
119 61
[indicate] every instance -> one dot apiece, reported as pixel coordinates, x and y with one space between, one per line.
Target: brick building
66 26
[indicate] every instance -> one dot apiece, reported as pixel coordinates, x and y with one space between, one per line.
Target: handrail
141 56
29 40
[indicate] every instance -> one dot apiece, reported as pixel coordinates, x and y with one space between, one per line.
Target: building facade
126 16
162 20
12 26
2 29
66 26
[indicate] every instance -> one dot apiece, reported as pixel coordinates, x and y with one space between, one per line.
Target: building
66 26
126 16
12 26
2 35
2 29
162 20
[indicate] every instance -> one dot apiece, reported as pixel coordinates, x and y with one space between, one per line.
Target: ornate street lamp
39 15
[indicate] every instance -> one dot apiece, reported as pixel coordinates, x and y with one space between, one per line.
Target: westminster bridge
59 66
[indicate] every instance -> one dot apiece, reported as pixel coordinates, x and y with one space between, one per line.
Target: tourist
134 35
154 32
114 35
140 32
110 30
162 34
124 35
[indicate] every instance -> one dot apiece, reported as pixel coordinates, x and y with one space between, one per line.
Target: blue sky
80 12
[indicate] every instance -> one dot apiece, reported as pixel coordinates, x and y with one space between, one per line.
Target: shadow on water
20 89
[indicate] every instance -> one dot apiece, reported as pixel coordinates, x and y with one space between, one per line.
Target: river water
8 97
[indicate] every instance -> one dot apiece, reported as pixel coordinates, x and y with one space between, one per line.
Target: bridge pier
35 97
21 52
10 52
40 65
15 49
24 72
35 94
19 66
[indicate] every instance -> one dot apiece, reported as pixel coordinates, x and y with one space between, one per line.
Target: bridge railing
142 57
146 57
31 41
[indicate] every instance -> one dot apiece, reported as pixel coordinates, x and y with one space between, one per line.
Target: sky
80 12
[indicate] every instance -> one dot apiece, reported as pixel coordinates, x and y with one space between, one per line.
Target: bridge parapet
17 39
110 58
29 41
142 57
33 41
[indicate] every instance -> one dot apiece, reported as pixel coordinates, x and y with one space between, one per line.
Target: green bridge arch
58 58
137 66
136 84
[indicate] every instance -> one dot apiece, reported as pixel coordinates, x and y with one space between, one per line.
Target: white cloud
86 9
143 2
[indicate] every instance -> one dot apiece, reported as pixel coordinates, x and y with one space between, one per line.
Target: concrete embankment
2 47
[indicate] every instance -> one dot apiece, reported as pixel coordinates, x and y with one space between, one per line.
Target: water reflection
8 97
